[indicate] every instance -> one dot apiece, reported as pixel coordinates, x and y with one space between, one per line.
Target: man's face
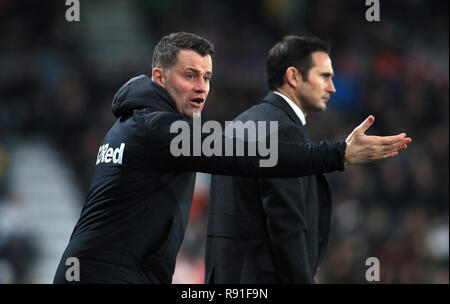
188 80
314 92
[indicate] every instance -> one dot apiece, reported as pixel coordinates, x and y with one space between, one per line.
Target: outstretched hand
362 148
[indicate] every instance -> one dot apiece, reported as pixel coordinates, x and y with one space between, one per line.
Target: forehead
322 61
190 59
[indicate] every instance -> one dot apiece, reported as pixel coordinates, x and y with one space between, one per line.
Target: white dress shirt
294 107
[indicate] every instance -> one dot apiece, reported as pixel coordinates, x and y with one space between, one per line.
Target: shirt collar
294 107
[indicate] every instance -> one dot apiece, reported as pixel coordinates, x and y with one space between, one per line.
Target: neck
289 93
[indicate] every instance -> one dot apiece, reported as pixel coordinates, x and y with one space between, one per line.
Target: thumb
365 125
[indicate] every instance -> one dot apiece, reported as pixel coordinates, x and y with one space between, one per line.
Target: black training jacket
136 211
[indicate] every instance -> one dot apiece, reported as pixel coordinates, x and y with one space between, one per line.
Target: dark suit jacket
268 230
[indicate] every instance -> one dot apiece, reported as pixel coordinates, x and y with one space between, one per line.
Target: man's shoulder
156 118
267 112
262 111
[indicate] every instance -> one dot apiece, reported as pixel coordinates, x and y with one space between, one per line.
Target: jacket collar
279 102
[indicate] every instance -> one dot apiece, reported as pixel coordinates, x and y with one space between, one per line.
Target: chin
319 109
322 107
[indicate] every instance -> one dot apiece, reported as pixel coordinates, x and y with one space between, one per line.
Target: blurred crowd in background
396 69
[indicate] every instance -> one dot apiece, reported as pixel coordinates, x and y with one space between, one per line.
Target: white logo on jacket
107 154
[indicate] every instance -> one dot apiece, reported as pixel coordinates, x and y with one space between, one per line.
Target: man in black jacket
275 230
135 214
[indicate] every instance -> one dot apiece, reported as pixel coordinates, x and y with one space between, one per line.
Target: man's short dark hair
292 51
167 49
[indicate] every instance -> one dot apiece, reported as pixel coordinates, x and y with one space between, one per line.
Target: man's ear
292 77
158 76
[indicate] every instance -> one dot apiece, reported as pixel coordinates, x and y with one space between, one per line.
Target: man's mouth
196 102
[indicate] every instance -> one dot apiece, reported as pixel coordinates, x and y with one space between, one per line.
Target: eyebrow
209 73
328 74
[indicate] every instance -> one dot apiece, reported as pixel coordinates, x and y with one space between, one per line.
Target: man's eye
207 78
190 76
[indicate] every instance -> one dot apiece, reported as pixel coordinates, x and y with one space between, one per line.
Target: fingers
389 140
365 125
391 148
404 146
388 151
400 147
392 154
385 155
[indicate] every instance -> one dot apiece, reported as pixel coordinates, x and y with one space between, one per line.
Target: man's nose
201 85
330 88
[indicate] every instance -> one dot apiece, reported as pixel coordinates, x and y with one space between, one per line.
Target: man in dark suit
275 230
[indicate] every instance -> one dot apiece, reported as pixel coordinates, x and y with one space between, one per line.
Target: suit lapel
279 102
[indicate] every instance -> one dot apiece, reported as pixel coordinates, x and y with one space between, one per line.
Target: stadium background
57 80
